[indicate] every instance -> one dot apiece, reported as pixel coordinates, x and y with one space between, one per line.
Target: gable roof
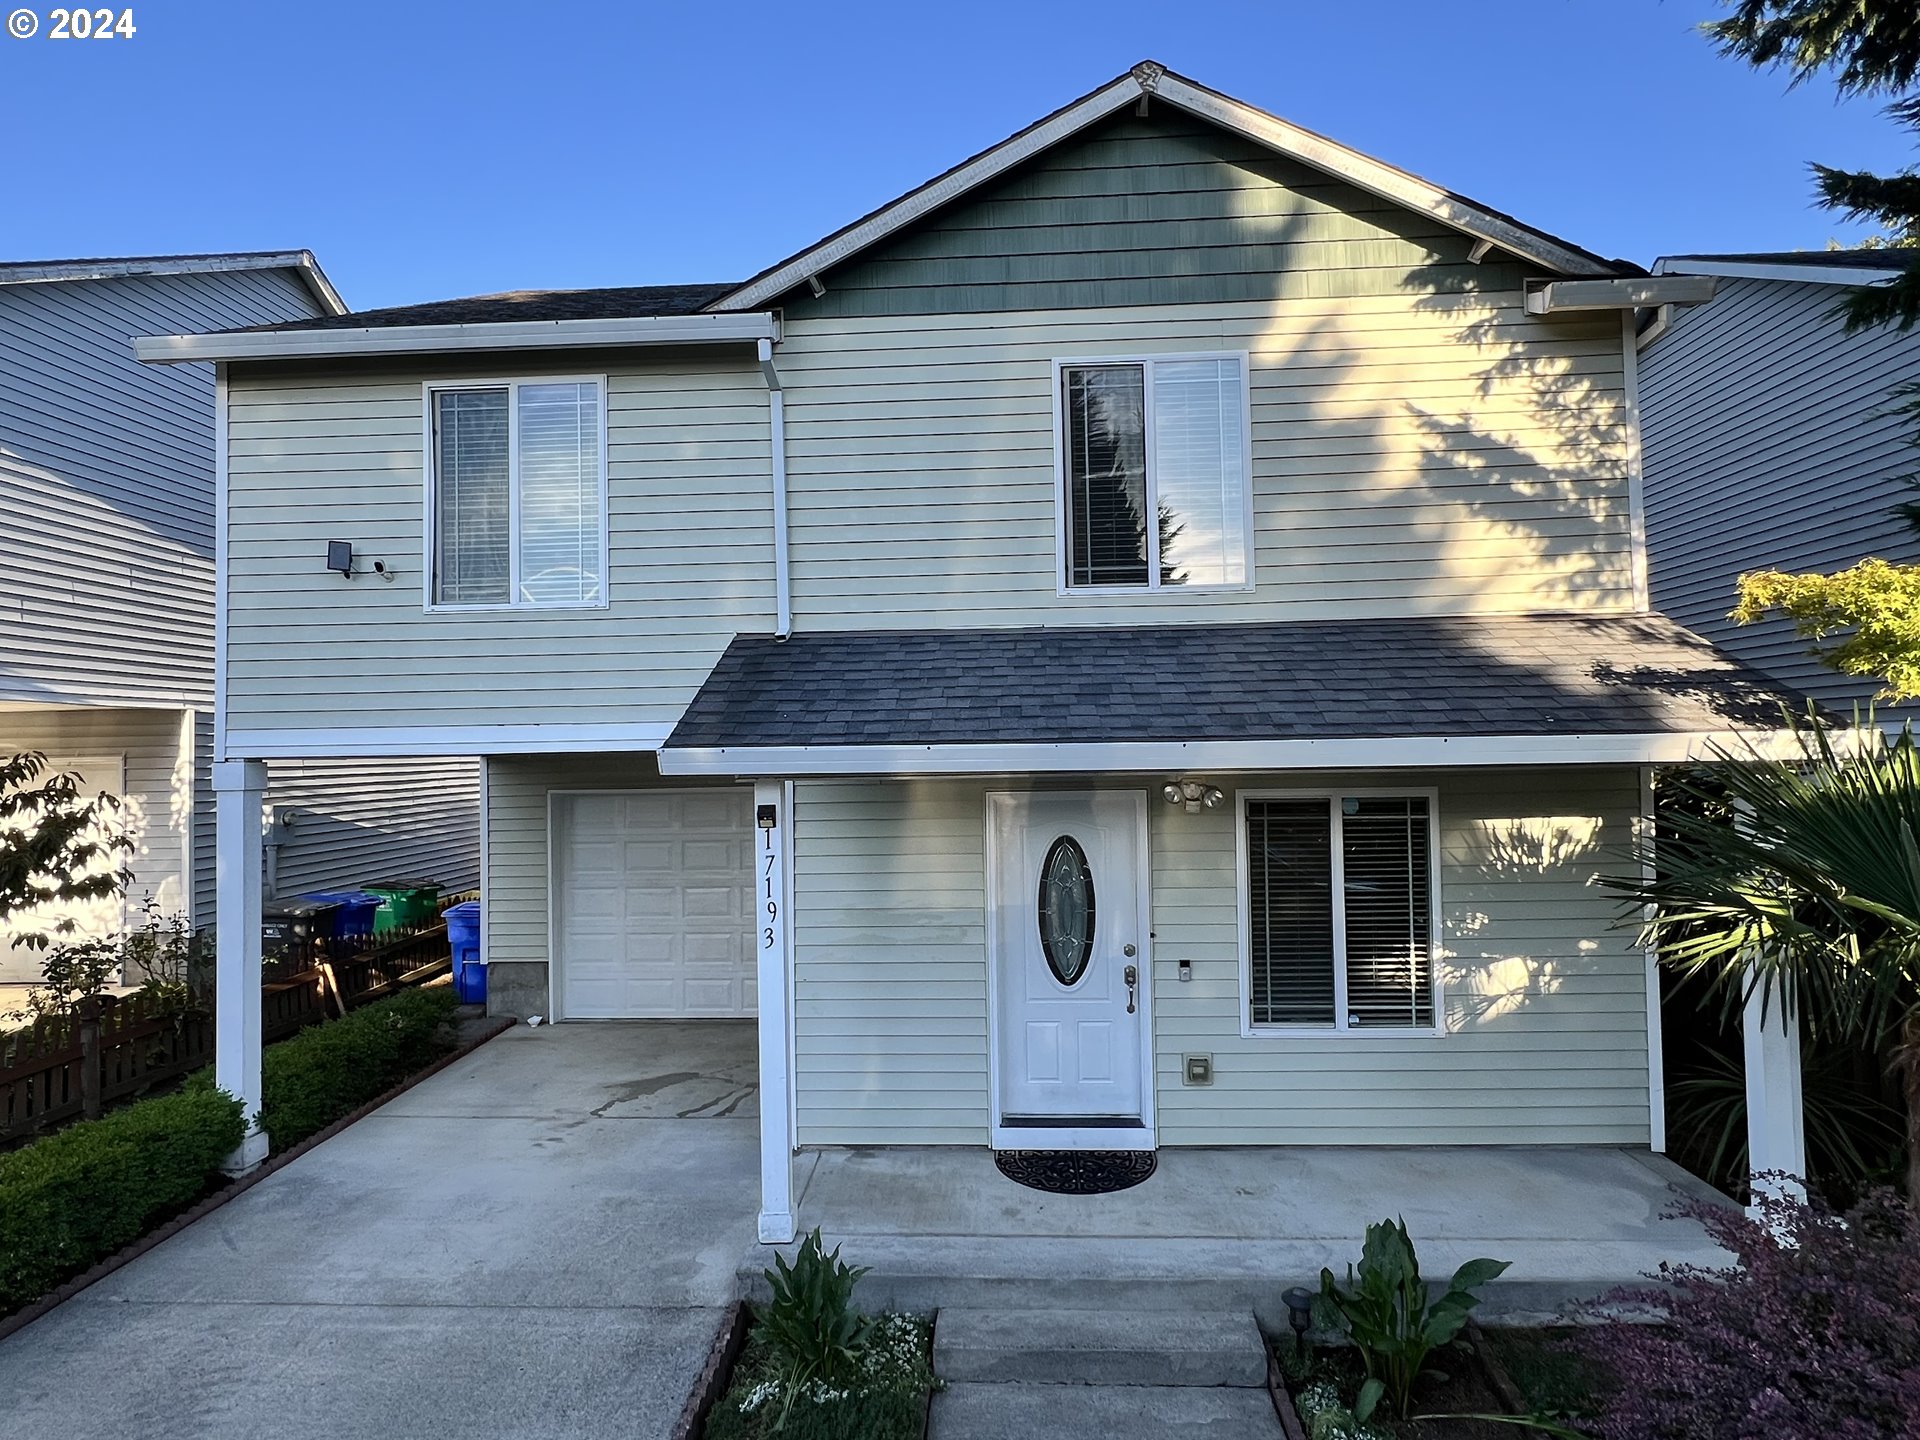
1819 267
1150 80
115 267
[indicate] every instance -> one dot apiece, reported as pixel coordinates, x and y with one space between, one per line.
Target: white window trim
1340 1029
431 485
1060 535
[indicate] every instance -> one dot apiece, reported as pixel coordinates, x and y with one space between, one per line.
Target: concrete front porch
1219 1228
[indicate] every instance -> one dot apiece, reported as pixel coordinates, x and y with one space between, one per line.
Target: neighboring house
1142 641
107 582
1774 439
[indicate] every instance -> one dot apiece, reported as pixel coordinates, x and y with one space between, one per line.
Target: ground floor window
1339 905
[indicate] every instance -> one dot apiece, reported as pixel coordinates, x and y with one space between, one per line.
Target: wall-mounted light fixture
340 561
1193 795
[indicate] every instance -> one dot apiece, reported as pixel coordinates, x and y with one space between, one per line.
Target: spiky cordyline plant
1800 878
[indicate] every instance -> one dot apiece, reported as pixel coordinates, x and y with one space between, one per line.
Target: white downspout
777 419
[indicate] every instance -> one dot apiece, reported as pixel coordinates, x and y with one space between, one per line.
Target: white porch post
773 828
240 787
1776 1122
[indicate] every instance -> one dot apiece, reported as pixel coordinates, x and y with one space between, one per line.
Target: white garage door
653 896
92 919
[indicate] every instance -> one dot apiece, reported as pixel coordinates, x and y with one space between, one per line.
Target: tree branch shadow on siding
1485 982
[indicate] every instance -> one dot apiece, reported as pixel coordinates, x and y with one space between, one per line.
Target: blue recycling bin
463 936
352 918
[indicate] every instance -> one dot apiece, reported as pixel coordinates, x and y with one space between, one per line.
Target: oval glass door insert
1066 910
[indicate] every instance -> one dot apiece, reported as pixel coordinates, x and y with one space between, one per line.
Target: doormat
1075 1172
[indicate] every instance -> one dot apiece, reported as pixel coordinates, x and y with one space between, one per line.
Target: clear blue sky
428 148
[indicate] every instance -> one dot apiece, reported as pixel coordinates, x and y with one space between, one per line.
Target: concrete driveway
538 1241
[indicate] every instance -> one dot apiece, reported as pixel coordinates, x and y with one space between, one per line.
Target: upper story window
516 492
1153 465
1340 902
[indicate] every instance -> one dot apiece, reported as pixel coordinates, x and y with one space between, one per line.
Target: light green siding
1156 210
890 963
1545 998
1419 445
1443 454
339 457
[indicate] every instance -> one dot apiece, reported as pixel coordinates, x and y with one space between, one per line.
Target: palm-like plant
1801 878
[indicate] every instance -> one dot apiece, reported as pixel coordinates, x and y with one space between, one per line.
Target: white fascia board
1377 178
1173 756
352 743
1635 293
302 261
448 339
1329 156
1811 274
931 196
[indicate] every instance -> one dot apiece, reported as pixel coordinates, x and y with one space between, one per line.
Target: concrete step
1109 1412
920 1274
1096 1347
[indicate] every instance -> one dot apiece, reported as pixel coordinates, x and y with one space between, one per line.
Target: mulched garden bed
1534 1374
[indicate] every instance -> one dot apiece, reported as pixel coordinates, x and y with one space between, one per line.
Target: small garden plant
815 1368
1395 1325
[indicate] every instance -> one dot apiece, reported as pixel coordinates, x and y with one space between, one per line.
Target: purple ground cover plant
1814 1335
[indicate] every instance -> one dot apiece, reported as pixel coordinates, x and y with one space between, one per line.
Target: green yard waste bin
404 903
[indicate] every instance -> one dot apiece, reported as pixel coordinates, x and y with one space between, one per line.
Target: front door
1070 957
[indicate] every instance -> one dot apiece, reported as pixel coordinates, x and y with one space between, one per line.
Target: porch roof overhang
1325 694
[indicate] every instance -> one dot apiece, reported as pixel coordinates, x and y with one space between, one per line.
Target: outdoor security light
1192 794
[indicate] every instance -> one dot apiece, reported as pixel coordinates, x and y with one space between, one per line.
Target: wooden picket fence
73 1067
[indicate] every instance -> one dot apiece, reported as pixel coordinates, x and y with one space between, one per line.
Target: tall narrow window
518 495
1340 912
1155 469
1106 474
1290 911
473 526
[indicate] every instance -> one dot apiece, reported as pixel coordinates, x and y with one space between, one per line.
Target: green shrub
70 1200
331 1070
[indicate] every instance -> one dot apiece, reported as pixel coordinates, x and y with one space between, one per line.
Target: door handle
1132 976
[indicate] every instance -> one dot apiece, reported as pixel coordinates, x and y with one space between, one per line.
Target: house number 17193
768 866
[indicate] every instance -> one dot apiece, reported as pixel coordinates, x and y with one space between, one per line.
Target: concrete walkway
538 1241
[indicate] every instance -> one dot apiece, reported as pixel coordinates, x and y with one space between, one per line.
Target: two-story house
107 593
1141 642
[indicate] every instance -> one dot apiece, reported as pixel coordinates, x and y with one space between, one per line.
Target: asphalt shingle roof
631 302
1432 676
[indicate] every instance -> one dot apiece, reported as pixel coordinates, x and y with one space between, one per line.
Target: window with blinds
519 501
1154 467
1340 911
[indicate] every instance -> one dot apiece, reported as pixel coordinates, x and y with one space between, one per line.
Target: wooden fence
63 1068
